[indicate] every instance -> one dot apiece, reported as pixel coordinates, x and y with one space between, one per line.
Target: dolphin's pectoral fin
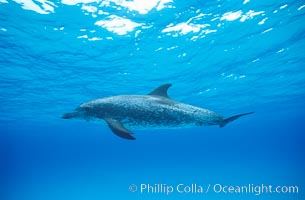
161 91
118 128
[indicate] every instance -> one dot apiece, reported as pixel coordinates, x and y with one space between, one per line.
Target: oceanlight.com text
194 188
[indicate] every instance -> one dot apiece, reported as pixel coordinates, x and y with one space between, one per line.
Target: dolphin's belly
142 111
157 118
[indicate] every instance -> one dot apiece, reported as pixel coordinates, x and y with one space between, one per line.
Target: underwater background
228 56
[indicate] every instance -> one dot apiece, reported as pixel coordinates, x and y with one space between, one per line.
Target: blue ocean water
228 56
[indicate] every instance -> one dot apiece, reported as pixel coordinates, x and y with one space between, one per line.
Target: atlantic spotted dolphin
153 110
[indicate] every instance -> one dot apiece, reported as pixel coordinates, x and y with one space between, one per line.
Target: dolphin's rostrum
153 110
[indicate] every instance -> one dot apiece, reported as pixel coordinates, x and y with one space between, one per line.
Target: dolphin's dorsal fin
161 90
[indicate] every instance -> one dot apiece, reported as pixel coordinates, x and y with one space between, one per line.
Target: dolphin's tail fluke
230 119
